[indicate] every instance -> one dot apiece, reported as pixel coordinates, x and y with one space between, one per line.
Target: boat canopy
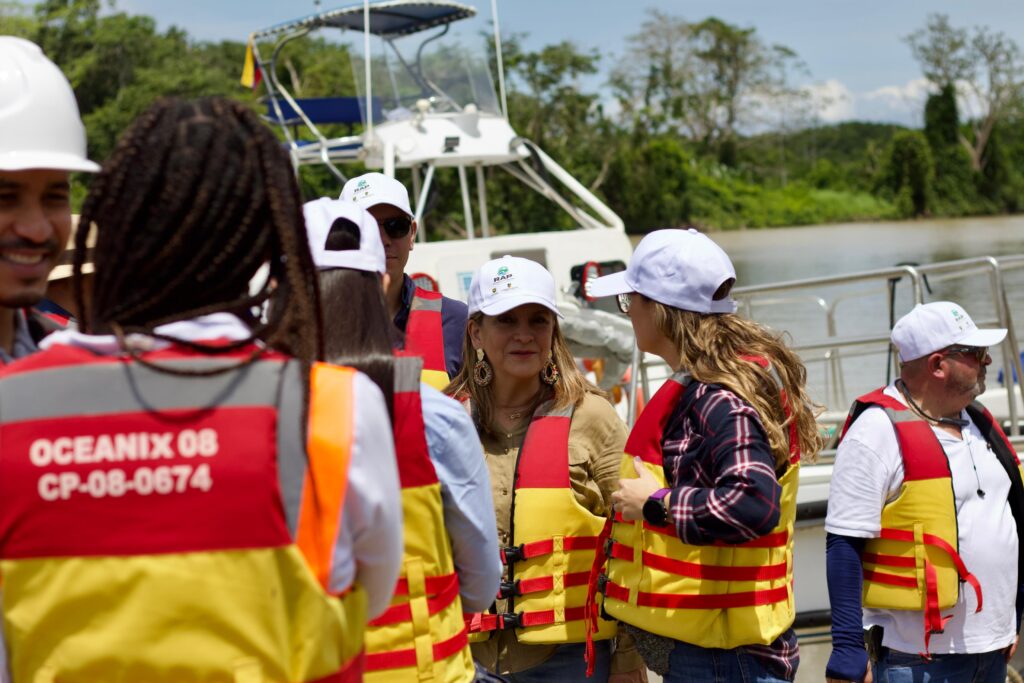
388 19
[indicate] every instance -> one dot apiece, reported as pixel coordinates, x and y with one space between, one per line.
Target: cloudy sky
853 48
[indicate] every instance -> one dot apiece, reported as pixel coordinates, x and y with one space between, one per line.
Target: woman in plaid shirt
738 421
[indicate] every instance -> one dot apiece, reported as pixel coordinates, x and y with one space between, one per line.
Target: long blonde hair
571 388
710 348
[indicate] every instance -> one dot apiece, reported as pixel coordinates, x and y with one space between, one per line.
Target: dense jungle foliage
664 141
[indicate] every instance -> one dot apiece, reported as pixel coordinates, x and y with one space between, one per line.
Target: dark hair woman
446 498
700 565
187 503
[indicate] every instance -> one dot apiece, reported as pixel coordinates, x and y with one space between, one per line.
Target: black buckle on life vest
608 543
509 620
509 589
602 583
512 554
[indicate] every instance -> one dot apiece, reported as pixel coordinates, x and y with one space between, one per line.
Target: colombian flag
251 74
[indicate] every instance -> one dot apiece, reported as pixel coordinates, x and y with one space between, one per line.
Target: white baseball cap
320 216
679 268
510 281
371 189
932 327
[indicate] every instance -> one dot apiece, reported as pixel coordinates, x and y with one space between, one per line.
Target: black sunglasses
979 352
396 227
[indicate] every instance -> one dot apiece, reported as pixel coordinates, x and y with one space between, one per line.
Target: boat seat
322 110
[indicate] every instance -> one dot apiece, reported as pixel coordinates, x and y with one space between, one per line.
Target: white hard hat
40 126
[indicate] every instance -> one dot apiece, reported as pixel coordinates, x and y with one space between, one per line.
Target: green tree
909 173
987 64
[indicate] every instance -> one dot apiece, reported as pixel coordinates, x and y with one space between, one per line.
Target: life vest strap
433 584
541 584
778 539
703 602
350 672
940 543
399 613
400 659
526 551
484 623
889 560
695 570
890 579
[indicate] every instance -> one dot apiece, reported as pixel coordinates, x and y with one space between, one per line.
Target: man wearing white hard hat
432 324
925 516
446 496
42 140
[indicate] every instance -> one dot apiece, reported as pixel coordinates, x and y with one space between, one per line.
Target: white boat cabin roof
388 19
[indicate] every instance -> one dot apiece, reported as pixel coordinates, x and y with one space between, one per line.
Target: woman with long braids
700 555
180 501
552 444
446 497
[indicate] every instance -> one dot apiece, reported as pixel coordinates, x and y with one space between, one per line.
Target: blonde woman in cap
700 558
446 502
552 444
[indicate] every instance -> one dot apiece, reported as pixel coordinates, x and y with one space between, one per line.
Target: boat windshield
443 73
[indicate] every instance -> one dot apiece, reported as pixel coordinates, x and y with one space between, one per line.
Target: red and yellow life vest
422 635
424 336
715 596
157 527
914 564
554 540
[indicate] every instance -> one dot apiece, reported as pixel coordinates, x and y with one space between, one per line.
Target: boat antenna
366 69
497 54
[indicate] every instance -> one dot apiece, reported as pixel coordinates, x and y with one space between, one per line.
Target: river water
863 309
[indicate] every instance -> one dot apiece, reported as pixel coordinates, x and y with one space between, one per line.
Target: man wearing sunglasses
433 325
926 516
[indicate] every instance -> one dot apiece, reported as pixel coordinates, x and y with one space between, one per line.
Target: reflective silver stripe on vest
110 387
421 304
105 388
681 377
407 374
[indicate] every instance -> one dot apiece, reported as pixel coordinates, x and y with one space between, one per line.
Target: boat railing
827 298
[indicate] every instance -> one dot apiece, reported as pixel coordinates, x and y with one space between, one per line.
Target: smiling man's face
35 221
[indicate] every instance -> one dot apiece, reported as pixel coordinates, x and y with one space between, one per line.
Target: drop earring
483 373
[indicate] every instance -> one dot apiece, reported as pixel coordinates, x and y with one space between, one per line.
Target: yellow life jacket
914 563
554 540
424 336
422 636
159 528
713 596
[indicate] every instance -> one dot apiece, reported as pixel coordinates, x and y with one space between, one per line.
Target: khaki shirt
597 438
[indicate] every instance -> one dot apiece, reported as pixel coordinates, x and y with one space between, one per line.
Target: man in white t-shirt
924 516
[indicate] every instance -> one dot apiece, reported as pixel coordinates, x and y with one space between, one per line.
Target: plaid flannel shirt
724 487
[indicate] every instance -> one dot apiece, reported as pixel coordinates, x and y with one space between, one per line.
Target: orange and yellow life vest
422 635
554 540
714 596
424 336
914 563
159 527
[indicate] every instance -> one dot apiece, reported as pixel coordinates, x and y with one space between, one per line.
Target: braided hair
195 198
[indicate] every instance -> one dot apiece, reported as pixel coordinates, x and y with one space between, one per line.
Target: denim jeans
901 667
568 665
692 664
